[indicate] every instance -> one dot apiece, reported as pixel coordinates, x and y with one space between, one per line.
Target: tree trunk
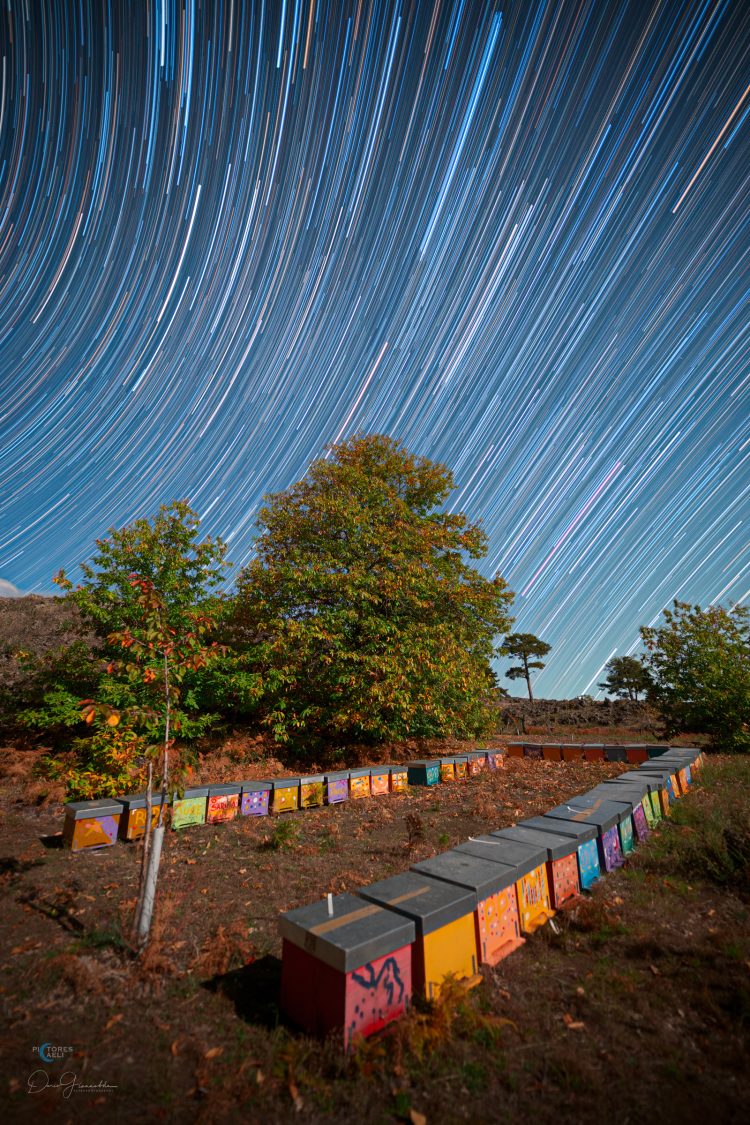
149 890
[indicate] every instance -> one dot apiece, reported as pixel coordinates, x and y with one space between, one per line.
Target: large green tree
524 647
699 661
363 604
627 677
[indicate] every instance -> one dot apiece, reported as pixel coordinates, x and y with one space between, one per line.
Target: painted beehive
655 751
424 773
190 808
348 973
623 803
571 752
562 862
516 749
529 863
495 759
586 840
337 787
379 776
669 776
285 794
223 803
133 819
532 751
444 920
255 798
91 824
447 769
497 930
311 791
461 767
640 789
593 751
359 783
639 803
606 819
552 751
477 760
399 779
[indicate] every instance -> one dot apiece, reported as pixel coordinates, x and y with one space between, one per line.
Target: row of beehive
97 824
633 752
352 963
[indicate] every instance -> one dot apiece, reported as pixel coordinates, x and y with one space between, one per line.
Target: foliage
626 678
149 593
368 620
47 695
523 646
110 763
699 662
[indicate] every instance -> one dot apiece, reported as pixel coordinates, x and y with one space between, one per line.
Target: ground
636 1004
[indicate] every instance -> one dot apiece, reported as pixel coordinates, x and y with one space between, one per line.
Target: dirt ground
636 1005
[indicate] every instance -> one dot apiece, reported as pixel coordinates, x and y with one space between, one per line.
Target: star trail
514 236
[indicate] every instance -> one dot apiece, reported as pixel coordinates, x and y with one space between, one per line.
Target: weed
285 834
415 832
444 839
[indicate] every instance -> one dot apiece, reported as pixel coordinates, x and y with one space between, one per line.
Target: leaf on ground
417 1118
654 970
112 1021
213 1052
295 1096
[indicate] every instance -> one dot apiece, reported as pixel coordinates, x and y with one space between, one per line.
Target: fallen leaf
295 1096
654 970
112 1021
174 1048
417 1118
213 1053
259 1077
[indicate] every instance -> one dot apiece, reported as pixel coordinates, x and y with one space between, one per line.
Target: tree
150 591
522 646
627 677
370 621
699 661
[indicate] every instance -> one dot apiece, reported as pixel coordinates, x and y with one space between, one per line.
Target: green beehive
424 773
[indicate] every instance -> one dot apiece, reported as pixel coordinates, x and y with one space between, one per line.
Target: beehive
640 788
571 752
349 972
635 754
223 803
552 751
190 808
379 777
586 839
285 794
447 769
91 824
668 775
255 798
593 751
133 818
606 818
461 767
399 779
495 759
530 750
615 754
497 930
445 928
640 804
311 791
623 803
516 749
529 862
337 787
562 862
477 761
359 784
424 773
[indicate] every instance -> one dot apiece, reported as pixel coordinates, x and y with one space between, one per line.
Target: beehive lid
640 785
482 876
378 771
603 814
285 782
397 769
224 790
194 791
557 845
620 795
423 762
476 753
138 800
312 779
256 786
357 932
87 810
577 831
360 772
429 903
521 857
337 775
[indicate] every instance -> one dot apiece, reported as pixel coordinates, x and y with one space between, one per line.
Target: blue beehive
606 819
585 837
424 773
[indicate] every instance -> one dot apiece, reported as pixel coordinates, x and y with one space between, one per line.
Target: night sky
513 236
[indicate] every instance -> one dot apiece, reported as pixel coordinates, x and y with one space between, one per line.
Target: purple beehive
255 798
